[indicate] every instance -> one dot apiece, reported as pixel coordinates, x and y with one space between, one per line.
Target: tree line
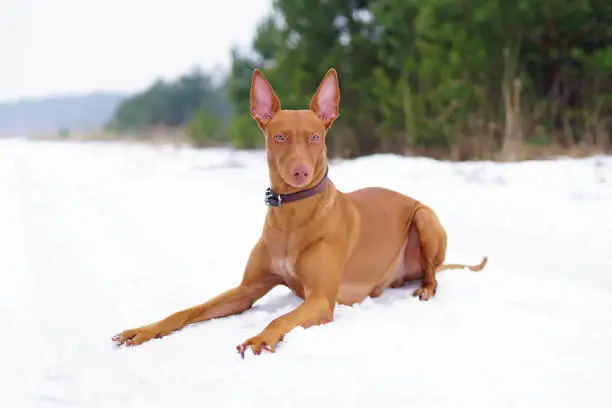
460 79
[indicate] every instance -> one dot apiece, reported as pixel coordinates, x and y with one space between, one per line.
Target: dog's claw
242 348
116 341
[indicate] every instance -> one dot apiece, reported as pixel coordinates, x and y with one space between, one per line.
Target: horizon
78 65
65 95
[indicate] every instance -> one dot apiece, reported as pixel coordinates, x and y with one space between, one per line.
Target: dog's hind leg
433 239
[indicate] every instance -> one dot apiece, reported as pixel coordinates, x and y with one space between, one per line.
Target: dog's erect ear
325 101
264 102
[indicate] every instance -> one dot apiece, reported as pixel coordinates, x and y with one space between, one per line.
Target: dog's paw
258 344
134 337
423 293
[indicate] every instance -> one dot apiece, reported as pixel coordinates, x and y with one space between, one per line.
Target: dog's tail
474 268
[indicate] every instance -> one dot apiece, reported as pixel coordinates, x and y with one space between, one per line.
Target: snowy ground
99 238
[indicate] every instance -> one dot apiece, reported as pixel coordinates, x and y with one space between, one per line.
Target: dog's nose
300 174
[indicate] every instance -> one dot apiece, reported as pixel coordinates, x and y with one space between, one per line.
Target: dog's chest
285 267
283 251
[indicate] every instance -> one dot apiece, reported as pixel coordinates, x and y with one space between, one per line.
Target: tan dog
328 247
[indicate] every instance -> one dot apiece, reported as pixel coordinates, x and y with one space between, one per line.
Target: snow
98 238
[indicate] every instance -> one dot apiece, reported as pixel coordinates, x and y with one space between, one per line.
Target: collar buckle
272 199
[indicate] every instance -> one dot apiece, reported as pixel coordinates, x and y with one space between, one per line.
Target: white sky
73 46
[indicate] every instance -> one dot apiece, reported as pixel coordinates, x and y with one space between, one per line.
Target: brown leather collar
276 200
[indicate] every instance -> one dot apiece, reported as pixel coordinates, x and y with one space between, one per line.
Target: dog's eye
315 138
279 138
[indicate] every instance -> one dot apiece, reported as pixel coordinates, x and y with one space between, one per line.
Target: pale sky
52 47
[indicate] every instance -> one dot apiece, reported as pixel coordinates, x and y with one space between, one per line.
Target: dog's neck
295 214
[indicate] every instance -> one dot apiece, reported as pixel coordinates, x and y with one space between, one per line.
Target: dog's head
295 139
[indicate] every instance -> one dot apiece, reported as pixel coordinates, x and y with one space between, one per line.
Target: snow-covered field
97 238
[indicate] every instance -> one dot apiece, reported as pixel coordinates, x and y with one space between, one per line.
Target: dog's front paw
259 343
134 337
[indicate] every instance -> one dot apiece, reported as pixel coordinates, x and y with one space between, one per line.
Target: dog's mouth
297 182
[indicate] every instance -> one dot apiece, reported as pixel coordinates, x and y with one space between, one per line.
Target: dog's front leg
319 270
256 282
